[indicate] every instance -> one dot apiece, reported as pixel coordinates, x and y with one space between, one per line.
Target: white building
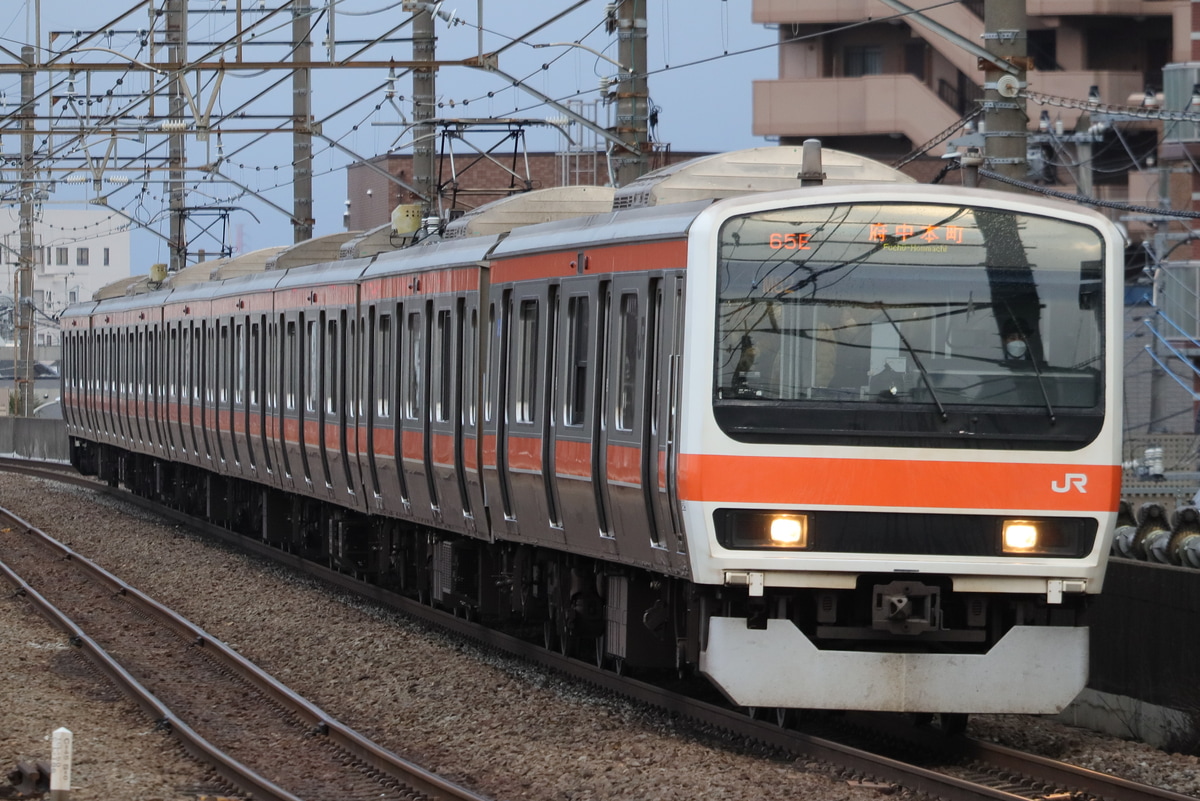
76 251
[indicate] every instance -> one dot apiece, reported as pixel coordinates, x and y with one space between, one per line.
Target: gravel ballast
506 730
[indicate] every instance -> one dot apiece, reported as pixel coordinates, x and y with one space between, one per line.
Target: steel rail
410 774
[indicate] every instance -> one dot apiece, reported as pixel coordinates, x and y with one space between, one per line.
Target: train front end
899 446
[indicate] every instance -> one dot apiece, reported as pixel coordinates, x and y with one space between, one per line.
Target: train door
261 385
623 420
529 311
129 389
290 433
475 351
121 388
244 366
379 408
326 408
172 371
493 427
662 387
338 415
581 341
414 444
308 354
445 411
129 406
156 388
280 395
222 415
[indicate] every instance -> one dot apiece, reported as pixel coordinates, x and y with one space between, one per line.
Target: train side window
253 358
332 371
313 375
412 401
211 364
291 378
197 362
344 386
627 376
487 367
577 352
445 353
223 350
185 364
470 368
525 369
382 366
239 364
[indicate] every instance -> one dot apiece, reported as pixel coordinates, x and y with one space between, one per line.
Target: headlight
789 530
1020 536
761 529
1046 537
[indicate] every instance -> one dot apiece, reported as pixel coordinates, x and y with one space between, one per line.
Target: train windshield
865 310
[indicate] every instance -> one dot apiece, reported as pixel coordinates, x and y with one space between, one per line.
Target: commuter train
832 438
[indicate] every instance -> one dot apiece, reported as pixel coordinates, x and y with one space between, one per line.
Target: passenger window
445 351
628 344
577 352
525 369
332 373
412 404
383 365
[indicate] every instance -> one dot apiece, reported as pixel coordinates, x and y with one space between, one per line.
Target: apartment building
860 77
76 251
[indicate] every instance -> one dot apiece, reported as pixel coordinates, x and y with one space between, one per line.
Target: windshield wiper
917 360
1042 386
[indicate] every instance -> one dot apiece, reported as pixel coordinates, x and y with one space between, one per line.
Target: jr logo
1077 481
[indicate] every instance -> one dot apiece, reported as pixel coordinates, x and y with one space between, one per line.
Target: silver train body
853 446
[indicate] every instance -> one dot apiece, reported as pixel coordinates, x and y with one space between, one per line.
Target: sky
703 56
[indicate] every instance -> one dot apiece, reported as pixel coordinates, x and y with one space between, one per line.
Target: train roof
743 172
614 227
432 253
330 272
531 208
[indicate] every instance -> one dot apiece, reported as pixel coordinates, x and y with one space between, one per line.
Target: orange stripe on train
898 483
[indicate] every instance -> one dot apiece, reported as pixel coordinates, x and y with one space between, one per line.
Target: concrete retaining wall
34 438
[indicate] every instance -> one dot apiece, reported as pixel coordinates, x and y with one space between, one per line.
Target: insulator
1152 525
1123 542
1188 551
1185 527
1156 545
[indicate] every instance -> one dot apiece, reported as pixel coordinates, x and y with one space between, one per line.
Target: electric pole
424 110
633 94
176 31
302 194
23 309
1004 117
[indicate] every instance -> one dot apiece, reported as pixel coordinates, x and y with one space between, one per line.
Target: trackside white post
60 764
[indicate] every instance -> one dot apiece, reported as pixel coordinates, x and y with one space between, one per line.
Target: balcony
870 105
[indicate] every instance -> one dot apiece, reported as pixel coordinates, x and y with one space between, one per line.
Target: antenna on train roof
811 173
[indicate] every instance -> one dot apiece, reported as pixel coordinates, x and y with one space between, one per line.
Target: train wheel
784 717
549 638
600 651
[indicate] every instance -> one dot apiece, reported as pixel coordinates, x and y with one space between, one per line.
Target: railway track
259 736
877 750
